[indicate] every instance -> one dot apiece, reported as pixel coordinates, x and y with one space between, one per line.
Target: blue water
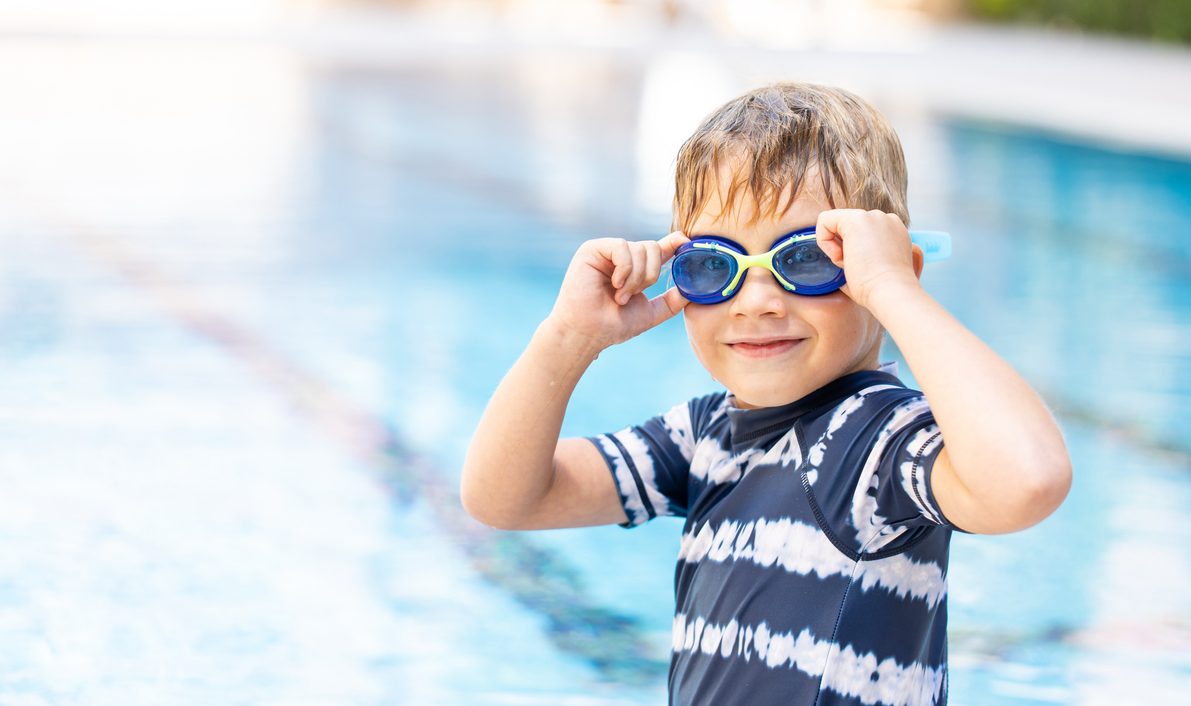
247 334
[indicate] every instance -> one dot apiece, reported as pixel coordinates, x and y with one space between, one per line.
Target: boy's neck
889 367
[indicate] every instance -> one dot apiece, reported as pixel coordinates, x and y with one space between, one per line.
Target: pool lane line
1166 635
540 579
1168 449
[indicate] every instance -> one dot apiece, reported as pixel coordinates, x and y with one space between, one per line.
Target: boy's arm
1004 466
518 474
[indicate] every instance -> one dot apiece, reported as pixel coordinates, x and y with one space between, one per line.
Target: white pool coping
1121 93
1130 94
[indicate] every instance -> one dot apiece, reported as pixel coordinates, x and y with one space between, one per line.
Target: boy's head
760 166
775 140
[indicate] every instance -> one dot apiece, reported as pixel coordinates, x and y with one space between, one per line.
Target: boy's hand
601 297
872 247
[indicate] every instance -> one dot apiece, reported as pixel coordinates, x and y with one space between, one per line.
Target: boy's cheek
700 333
701 323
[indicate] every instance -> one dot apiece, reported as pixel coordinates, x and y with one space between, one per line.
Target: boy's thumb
667 304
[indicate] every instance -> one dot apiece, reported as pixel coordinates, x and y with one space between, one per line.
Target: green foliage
1168 20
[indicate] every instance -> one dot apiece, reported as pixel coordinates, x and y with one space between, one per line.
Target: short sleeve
902 459
650 463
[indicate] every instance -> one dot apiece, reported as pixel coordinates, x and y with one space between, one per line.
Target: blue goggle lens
703 272
804 263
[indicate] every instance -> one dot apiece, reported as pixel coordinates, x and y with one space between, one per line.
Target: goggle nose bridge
744 262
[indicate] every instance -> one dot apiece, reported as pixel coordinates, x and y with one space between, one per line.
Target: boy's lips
764 347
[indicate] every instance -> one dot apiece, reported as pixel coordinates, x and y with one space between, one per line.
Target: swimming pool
254 304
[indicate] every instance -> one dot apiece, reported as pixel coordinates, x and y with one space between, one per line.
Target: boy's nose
759 294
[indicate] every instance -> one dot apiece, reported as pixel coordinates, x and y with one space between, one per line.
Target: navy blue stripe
702 679
881 622
822 521
628 459
729 591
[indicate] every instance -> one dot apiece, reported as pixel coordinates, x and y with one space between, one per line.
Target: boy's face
769 346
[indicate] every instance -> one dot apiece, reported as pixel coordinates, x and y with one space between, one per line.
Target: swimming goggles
709 268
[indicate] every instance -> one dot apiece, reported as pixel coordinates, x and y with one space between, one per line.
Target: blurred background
263 261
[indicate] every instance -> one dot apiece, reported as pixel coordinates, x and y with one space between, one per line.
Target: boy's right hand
601 296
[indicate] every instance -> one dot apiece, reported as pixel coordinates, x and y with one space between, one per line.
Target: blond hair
773 137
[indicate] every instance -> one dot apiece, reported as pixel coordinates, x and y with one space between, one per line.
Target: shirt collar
751 428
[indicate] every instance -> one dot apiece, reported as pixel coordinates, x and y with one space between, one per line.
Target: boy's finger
832 247
827 232
666 305
671 242
653 262
830 219
618 252
638 266
635 279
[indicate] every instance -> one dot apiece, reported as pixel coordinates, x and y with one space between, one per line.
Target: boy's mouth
763 348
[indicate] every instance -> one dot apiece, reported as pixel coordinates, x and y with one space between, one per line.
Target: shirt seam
820 518
914 476
839 616
894 551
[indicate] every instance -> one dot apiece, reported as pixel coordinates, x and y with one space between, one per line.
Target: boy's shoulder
708 411
869 398
860 418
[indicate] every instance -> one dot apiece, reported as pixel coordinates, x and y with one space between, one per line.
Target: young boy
819 493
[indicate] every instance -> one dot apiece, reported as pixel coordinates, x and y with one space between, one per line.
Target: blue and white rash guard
813 563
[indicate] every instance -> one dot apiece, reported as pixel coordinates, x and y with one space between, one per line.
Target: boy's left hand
872 247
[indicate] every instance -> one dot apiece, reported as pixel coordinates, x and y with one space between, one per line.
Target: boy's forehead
747 210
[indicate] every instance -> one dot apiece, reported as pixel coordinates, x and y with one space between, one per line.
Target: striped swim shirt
813 562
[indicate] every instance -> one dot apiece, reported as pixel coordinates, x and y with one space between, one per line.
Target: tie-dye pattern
843 670
813 561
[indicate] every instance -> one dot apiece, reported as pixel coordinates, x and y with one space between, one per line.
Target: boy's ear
919 259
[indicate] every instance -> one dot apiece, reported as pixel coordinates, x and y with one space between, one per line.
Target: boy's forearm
1003 443
510 461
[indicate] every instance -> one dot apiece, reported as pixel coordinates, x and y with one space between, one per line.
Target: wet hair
772 139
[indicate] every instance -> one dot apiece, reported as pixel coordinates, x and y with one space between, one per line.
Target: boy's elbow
478 503
482 512
1042 492
1051 484
1026 497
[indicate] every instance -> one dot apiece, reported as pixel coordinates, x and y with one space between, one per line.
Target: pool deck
1122 93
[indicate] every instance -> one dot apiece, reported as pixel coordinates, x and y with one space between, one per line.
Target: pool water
254 302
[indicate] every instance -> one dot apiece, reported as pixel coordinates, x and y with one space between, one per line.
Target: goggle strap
935 244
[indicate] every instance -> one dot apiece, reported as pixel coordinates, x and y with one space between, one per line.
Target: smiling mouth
765 349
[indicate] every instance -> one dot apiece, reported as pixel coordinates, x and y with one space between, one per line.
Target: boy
819 493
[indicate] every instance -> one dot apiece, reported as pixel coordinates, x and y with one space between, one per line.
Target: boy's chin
746 398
